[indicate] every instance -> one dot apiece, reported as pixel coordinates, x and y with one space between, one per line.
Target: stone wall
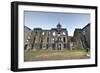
77 43
81 38
27 37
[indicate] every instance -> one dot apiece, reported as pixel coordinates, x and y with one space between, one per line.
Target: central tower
59 28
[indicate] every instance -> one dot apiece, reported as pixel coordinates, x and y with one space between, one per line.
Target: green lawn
42 55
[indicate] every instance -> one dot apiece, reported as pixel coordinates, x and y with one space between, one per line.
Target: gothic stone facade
56 38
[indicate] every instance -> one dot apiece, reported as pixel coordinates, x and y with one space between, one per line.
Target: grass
41 55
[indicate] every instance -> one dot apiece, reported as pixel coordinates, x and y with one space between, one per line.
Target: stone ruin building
56 38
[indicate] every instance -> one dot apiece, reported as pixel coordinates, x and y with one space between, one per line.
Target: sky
48 20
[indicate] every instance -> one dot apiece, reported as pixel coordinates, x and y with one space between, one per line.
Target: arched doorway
58 46
25 47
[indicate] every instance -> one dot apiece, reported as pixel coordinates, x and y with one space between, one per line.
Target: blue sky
48 20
